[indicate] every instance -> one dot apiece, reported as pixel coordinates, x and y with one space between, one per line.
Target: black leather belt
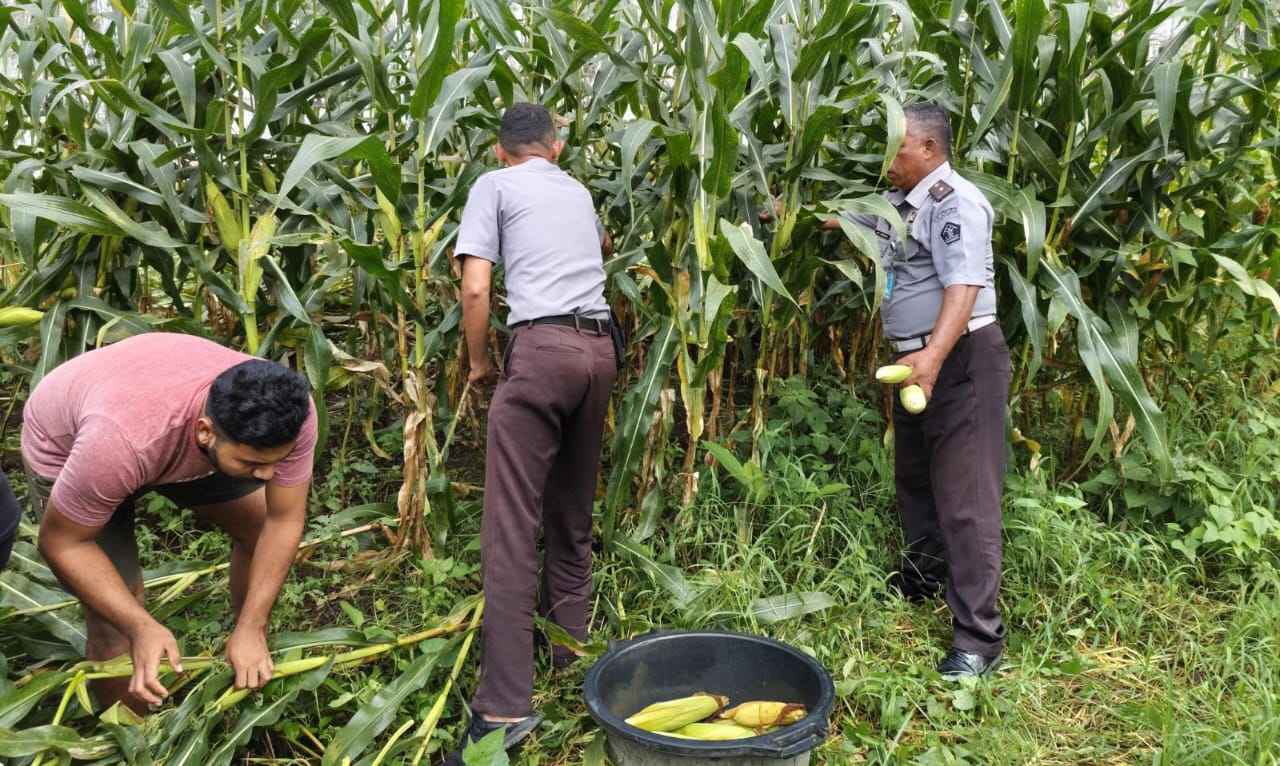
598 326
914 344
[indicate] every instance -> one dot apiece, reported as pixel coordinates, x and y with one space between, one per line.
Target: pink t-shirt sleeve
99 474
295 469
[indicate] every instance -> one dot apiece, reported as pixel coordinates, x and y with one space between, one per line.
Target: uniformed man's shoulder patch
940 190
950 232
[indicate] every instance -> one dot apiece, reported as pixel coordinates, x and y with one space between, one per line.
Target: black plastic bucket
669 664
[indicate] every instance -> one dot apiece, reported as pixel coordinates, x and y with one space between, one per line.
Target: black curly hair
259 403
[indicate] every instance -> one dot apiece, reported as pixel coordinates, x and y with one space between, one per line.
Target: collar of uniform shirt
535 163
916 196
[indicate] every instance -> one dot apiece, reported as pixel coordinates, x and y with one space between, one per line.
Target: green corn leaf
284 291
316 149
774 609
344 12
183 77
15 704
19 592
630 436
1112 177
822 122
1247 283
74 215
1022 204
52 739
373 718
147 232
1166 79
1110 368
751 253
729 461
446 15
1024 53
246 722
665 576
130 743
117 182
895 121
456 88
1032 319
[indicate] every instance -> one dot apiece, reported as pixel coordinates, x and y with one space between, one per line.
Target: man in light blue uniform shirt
939 318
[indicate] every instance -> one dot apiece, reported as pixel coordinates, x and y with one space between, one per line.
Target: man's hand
247 652
483 372
766 216
147 645
925 365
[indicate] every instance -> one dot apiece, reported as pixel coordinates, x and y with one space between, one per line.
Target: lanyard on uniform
889 276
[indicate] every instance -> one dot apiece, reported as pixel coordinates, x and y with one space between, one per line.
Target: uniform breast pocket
911 250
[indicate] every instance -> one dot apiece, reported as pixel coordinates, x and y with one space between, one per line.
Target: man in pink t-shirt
228 435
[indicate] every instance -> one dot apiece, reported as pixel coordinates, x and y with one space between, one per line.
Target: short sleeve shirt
949 224
541 225
121 418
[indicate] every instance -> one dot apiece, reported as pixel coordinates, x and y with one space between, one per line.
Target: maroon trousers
545 427
949 471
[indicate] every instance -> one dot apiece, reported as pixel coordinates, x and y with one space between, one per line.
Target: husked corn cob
893 373
670 715
913 399
715 730
759 714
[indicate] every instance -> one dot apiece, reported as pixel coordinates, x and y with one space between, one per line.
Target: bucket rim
793 740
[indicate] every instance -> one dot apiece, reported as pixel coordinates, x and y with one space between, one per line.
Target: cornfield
287 177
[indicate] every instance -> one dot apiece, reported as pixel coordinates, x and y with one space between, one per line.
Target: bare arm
272 556
957 309
477 274
84 569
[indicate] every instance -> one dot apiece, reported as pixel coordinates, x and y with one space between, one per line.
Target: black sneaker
478 728
961 664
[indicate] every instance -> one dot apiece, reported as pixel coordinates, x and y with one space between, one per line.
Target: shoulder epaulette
940 190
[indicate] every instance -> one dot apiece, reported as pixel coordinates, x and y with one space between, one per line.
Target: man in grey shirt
546 419
939 318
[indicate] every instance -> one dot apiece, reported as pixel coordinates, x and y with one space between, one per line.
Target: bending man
228 435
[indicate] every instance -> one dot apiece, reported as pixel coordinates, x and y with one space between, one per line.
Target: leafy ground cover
1123 648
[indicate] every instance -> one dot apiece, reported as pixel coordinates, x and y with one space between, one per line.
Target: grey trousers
545 428
949 466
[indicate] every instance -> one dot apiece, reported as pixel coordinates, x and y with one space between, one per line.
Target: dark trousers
545 428
10 515
949 470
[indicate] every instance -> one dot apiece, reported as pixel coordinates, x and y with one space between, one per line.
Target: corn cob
760 714
224 218
670 715
913 399
893 373
715 730
12 316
